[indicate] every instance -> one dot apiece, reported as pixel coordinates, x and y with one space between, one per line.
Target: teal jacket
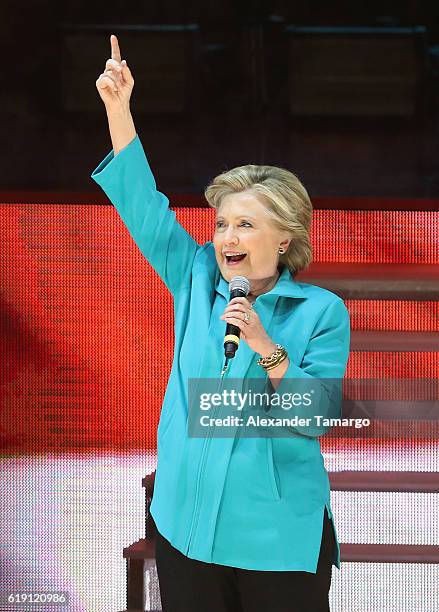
248 502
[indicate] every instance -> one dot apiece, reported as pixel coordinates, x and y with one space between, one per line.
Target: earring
281 251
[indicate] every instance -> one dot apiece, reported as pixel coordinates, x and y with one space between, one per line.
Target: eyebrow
238 217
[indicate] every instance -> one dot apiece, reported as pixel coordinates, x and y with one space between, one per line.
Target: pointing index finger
115 51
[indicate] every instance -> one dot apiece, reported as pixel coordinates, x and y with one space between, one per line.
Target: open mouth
234 259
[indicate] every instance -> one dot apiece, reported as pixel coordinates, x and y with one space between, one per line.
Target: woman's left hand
239 312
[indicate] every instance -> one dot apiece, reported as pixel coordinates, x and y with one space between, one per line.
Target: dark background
229 100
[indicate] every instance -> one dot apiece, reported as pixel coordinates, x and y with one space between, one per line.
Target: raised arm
126 178
115 86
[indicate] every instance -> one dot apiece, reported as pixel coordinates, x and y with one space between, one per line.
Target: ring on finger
246 317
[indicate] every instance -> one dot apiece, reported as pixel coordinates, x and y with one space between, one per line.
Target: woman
244 522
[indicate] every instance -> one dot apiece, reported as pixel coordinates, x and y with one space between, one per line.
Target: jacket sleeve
127 180
321 371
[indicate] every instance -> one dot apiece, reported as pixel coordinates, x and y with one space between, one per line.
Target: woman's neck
263 286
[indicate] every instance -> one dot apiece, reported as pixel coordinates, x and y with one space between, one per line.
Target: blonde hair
284 197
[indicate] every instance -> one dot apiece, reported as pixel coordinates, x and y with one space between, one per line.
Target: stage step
390 365
384 281
362 340
142 549
401 482
350 480
371 553
393 315
389 553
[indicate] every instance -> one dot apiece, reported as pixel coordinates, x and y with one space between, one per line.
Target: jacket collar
286 286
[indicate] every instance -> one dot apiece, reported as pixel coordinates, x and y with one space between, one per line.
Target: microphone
239 286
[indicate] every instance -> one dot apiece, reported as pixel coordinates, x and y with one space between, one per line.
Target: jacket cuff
111 159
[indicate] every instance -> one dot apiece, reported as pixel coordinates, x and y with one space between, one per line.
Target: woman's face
245 229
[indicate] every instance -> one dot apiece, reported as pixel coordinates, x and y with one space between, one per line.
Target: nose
230 236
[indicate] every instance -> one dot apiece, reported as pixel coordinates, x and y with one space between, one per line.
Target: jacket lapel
244 363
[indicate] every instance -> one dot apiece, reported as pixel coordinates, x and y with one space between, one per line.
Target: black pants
187 585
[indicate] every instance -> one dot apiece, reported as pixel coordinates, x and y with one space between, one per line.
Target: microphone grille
241 283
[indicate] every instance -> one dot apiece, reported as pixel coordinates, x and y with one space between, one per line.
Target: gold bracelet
273 360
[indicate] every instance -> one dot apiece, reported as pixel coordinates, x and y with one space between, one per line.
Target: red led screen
86 324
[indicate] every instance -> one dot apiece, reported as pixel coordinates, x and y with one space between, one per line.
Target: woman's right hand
116 83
